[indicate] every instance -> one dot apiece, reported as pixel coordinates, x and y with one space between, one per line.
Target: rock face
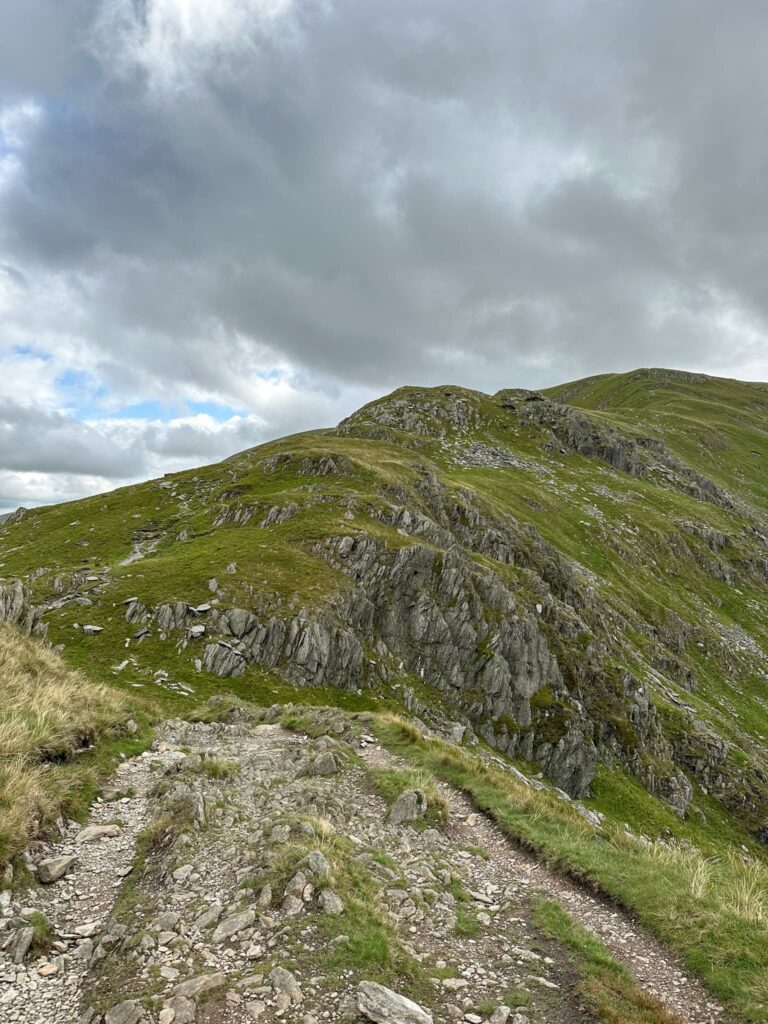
441 616
16 609
644 457
431 609
382 1005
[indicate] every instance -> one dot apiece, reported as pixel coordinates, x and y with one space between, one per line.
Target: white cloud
287 207
176 44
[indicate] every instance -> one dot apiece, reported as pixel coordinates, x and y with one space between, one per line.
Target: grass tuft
48 716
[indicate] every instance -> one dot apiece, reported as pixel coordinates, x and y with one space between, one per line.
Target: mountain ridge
457 551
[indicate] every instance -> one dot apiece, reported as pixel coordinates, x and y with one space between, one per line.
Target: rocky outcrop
436 615
507 665
573 430
15 608
417 411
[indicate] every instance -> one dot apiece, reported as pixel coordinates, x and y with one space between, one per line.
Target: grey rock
384 1006
20 943
91 630
223 660
183 1009
293 905
284 983
296 885
330 902
318 865
233 925
54 868
324 764
209 917
92 833
165 922
500 1015
411 805
127 1012
195 987
280 834
15 608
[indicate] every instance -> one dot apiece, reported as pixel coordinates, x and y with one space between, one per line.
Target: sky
222 221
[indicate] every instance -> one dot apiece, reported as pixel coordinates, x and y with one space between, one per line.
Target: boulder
20 943
233 925
500 1015
330 902
195 987
286 985
54 868
324 764
178 1010
384 1006
209 916
127 1012
411 805
318 865
165 922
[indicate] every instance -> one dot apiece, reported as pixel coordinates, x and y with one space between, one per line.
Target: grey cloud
33 439
374 194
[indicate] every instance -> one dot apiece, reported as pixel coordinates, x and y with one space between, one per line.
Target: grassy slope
718 425
603 519
48 716
625 531
698 892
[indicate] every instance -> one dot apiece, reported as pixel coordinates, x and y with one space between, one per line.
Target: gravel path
200 924
47 989
655 968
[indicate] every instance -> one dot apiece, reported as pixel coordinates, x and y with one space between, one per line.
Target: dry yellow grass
47 712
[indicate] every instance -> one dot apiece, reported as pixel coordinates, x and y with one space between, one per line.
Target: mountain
552 605
577 584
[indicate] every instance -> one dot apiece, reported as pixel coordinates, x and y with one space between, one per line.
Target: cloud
287 206
33 440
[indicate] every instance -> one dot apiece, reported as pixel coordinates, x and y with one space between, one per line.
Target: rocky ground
239 871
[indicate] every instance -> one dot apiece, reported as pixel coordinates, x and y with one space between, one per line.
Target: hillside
575 580
574 587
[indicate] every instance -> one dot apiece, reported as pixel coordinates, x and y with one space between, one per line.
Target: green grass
391 782
710 905
362 943
44 933
607 988
467 925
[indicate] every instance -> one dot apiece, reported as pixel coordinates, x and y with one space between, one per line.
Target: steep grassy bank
59 734
703 892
